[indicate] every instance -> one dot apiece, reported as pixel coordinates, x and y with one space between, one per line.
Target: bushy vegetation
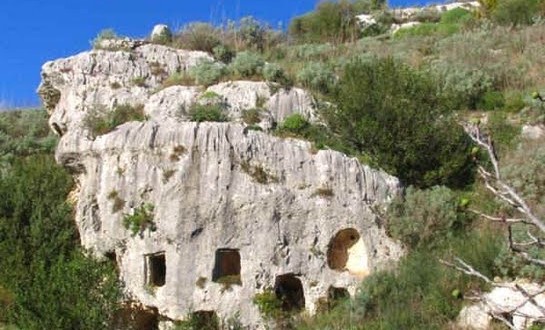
329 22
247 65
208 112
46 280
420 294
100 121
24 133
207 72
396 116
425 217
140 220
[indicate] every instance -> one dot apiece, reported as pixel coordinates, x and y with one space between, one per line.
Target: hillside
354 172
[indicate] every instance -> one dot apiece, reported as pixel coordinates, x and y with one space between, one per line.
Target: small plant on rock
268 304
251 116
208 72
140 220
100 123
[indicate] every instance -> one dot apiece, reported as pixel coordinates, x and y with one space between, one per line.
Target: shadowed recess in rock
156 269
227 266
289 291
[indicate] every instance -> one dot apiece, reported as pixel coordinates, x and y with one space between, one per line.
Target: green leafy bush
268 304
247 64
274 72
396 115
208 112
491 100
198 36
329 22
24 133
50 281
516 12
106 34
223 54
208 72
100 123
423 216
140 220
456 16
251 116
295 123
463 87
317 76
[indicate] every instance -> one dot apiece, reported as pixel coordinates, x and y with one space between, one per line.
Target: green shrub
428 15
274 72
178 79
420 30
295 123
140 220
329 22
208 72
503 132
462 86
24 133
199 321
317 76
247 64
251 116
100 123
106 34
198 36
514 102
165 38
311 51
396 115
423 216
223 54
207 112
456 16
492 100
49 280
268 304
516 12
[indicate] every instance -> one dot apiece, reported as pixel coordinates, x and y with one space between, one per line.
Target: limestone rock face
226 213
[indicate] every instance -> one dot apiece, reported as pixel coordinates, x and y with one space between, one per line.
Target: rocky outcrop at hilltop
202 217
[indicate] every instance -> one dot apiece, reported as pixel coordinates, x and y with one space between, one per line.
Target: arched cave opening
227 267
156 269
289 291
205 320
346 251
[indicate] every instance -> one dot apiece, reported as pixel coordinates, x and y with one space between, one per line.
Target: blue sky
35 31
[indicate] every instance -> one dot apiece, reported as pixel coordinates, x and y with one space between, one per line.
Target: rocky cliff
201 217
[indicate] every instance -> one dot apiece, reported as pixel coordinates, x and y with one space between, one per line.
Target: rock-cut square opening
227 267
289 291
156 269
347 251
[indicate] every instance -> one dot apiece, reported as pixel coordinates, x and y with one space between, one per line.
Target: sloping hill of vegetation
392 100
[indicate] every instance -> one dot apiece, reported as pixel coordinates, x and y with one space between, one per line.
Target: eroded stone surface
213 186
